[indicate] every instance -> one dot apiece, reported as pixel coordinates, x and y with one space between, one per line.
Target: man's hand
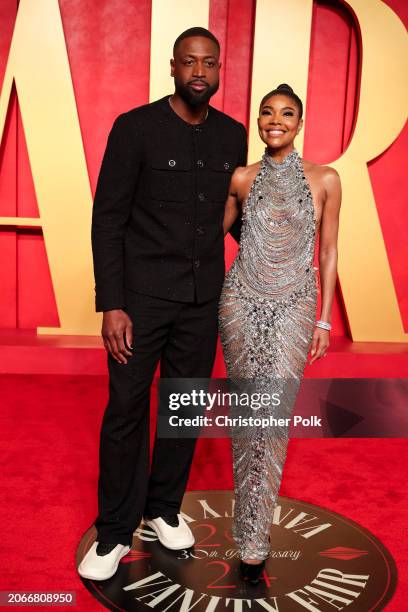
117 326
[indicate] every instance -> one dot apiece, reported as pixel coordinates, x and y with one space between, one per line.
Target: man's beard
195 98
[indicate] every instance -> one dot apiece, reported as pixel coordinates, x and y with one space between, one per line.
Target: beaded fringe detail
267 313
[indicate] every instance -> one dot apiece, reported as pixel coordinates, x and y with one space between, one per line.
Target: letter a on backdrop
38 64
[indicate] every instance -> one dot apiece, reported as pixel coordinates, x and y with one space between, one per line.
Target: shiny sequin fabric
267 313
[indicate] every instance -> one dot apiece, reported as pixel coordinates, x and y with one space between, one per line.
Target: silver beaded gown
267 313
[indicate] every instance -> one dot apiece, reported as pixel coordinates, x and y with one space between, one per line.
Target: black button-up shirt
159 205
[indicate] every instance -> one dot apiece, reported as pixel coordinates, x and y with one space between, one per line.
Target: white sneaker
174 538
101 567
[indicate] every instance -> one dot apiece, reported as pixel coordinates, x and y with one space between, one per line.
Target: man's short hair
196 31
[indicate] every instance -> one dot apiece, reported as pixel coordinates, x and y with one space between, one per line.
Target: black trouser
183 337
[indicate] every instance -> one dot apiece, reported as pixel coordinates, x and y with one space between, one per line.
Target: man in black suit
158 248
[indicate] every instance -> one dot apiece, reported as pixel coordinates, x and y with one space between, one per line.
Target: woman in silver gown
267 309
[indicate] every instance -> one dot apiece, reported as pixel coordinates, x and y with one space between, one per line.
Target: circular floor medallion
320 561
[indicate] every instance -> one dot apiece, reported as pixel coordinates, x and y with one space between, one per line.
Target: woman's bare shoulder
244 172
319 170
326 175
242 179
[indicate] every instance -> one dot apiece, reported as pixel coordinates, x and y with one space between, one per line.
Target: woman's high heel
251 572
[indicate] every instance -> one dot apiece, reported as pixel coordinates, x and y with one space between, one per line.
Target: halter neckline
288 161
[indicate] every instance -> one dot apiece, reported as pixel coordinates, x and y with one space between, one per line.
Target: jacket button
226 165
201 197
172 162
200 231
200 163
197 264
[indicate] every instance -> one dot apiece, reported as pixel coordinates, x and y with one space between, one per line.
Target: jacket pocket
171 178
220 170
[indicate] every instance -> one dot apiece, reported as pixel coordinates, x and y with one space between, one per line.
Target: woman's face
279 122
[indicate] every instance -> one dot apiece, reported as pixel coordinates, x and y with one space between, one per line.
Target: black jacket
159 205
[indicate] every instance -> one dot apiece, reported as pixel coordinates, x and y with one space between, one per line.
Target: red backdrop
108 44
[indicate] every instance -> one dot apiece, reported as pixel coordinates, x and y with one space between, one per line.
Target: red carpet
48 460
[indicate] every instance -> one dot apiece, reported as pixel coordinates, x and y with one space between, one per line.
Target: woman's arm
233 204
327 258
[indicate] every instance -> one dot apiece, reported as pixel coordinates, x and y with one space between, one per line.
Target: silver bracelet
323 325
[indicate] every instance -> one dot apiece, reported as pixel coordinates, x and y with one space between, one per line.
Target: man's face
196 69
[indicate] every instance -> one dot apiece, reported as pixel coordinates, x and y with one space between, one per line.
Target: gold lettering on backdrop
281 55
364 270
38 64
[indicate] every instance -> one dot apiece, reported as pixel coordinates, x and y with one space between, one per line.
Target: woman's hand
320 344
